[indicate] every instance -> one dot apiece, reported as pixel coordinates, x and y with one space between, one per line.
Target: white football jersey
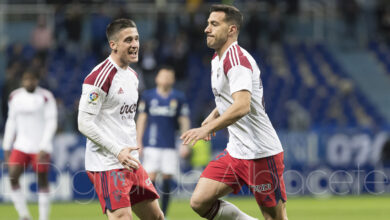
253 136
28 126
110 93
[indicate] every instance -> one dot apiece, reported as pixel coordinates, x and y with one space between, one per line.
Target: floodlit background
325 66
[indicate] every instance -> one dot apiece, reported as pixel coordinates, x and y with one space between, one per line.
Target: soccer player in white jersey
106 117
254 155
30 128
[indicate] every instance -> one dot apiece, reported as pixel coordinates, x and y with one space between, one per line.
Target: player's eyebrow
213 22
131 37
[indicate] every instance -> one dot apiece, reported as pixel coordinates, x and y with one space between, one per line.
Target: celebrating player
254 155
106 117
30 128
160 110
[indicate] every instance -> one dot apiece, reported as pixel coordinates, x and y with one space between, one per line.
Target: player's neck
118 61
164 92
227 44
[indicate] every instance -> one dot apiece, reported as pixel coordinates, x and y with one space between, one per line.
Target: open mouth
133 53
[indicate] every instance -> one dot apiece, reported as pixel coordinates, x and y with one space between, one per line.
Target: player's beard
30 89
216 42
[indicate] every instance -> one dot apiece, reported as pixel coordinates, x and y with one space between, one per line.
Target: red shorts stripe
121 188
24 159
264 176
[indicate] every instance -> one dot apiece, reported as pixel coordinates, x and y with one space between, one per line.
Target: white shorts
160 160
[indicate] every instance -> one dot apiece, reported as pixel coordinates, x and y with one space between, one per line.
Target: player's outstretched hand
208 137
193 135
128 161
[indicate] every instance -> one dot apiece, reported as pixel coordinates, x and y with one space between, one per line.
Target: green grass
302 208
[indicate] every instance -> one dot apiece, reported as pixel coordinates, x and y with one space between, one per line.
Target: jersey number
118 175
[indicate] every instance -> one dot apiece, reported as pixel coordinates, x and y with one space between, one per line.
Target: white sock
20 203
44 205
228 211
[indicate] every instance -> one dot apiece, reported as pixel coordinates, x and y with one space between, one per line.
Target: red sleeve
102 77
235 57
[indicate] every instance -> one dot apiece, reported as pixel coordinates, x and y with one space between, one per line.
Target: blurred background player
30 127
106 117
161 111
254 154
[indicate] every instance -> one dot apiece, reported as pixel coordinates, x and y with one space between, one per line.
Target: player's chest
219 80
124 89
163 107
29 104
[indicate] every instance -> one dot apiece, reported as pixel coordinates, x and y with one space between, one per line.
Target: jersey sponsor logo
93 96
168 111
261 188
126 110
121 91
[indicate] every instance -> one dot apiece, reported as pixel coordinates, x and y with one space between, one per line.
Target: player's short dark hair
167 67
117 25
232 14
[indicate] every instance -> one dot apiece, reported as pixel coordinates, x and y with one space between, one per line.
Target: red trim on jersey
235 57
214 56
227 65
90 79
11 96
107 83
135 73
243 59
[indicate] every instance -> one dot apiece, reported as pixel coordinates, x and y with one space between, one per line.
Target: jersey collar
116 65
224 53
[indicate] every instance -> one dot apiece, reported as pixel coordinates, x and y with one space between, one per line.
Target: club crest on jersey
148 181
117 195
121 91
173 103
93 96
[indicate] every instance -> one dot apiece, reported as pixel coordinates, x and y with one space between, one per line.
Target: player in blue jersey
162 111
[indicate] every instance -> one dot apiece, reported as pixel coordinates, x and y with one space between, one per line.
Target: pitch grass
299 208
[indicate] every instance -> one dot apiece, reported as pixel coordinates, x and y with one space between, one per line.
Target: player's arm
141 125
240 82
91 101
88 127
184 125
10 131
142 120
239 108
213 115
50 128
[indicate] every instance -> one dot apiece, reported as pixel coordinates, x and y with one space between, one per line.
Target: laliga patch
93 96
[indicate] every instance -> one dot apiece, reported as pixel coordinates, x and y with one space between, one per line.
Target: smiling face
217 30
125 46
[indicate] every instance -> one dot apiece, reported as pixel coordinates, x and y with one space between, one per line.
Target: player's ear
232 29
113 45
